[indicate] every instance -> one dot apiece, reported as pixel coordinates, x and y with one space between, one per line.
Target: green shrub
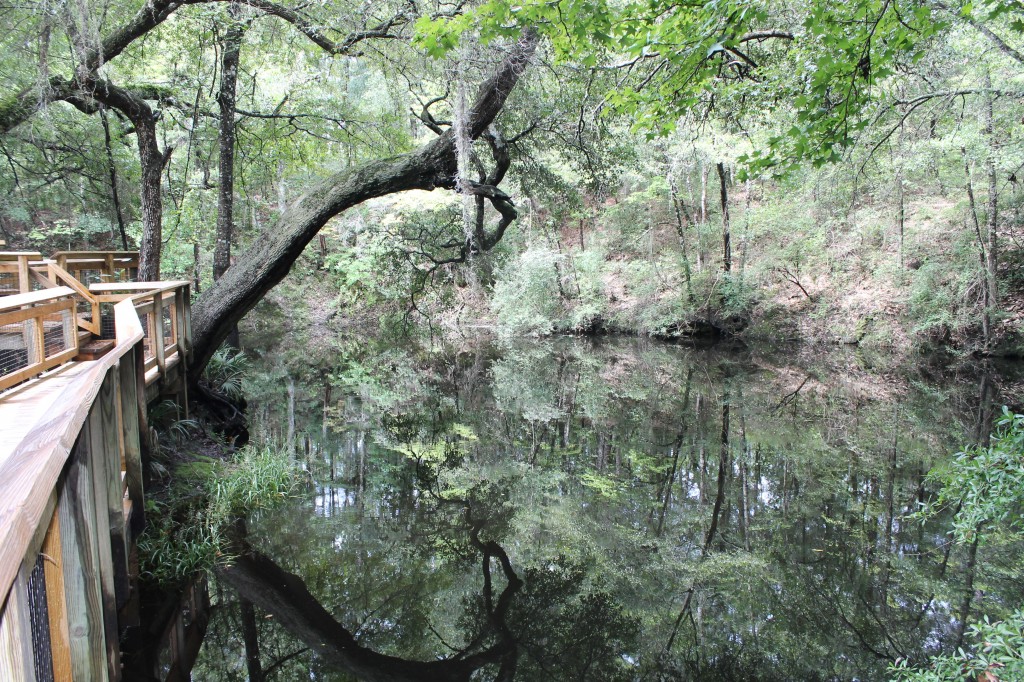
526 297
185 534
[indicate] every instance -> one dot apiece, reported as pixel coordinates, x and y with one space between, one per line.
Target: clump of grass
186 532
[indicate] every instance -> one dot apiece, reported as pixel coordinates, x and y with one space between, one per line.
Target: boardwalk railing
166 318
90 267
71 494
15 273
37 333
71 503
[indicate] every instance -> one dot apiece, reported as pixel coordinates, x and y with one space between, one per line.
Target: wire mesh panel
168 324
35 337
8 282
147 341
107 327
14 347
57 331
39 613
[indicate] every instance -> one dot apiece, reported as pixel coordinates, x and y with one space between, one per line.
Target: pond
610 510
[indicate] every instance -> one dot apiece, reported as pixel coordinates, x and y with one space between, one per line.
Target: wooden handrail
16 301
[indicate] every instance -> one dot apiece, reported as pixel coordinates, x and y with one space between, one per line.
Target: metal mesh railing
9 283
35 338
108 329
57 328
39 615
168 324
14 345
147 341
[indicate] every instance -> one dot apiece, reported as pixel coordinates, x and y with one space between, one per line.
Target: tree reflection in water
620 511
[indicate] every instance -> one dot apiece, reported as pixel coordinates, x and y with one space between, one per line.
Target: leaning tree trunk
273 253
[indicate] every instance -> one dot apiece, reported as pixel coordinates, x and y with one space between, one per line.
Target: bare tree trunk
986 320
230 48
680 209
900 214
250 636
992 252
112 168
701 254
726 237
152 207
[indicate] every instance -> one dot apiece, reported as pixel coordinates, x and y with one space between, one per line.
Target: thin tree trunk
900 215
992 252
986 321
701 254
726 237
680 210
112 168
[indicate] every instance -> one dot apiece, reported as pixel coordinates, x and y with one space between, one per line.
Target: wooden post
15 634
79 547
60 647
24 281
105 463
128 405
188 318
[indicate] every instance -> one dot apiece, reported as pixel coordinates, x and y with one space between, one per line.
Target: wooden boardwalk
72 440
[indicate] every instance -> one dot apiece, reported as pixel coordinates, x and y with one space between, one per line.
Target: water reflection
621 511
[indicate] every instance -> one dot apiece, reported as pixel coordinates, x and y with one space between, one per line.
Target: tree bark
250 636
992 252
726 236
134 107
270 258
112 169
230 48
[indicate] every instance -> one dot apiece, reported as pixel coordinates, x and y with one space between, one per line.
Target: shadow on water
607 511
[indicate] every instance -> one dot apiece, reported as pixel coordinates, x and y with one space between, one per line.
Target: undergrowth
186 530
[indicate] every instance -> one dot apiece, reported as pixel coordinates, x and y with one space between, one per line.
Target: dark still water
620 510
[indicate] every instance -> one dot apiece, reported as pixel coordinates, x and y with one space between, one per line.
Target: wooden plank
115 495
60 646
39 337
42 279
33 298
105 466
16 635
87 635
137 287
14 255
16 316
188 322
